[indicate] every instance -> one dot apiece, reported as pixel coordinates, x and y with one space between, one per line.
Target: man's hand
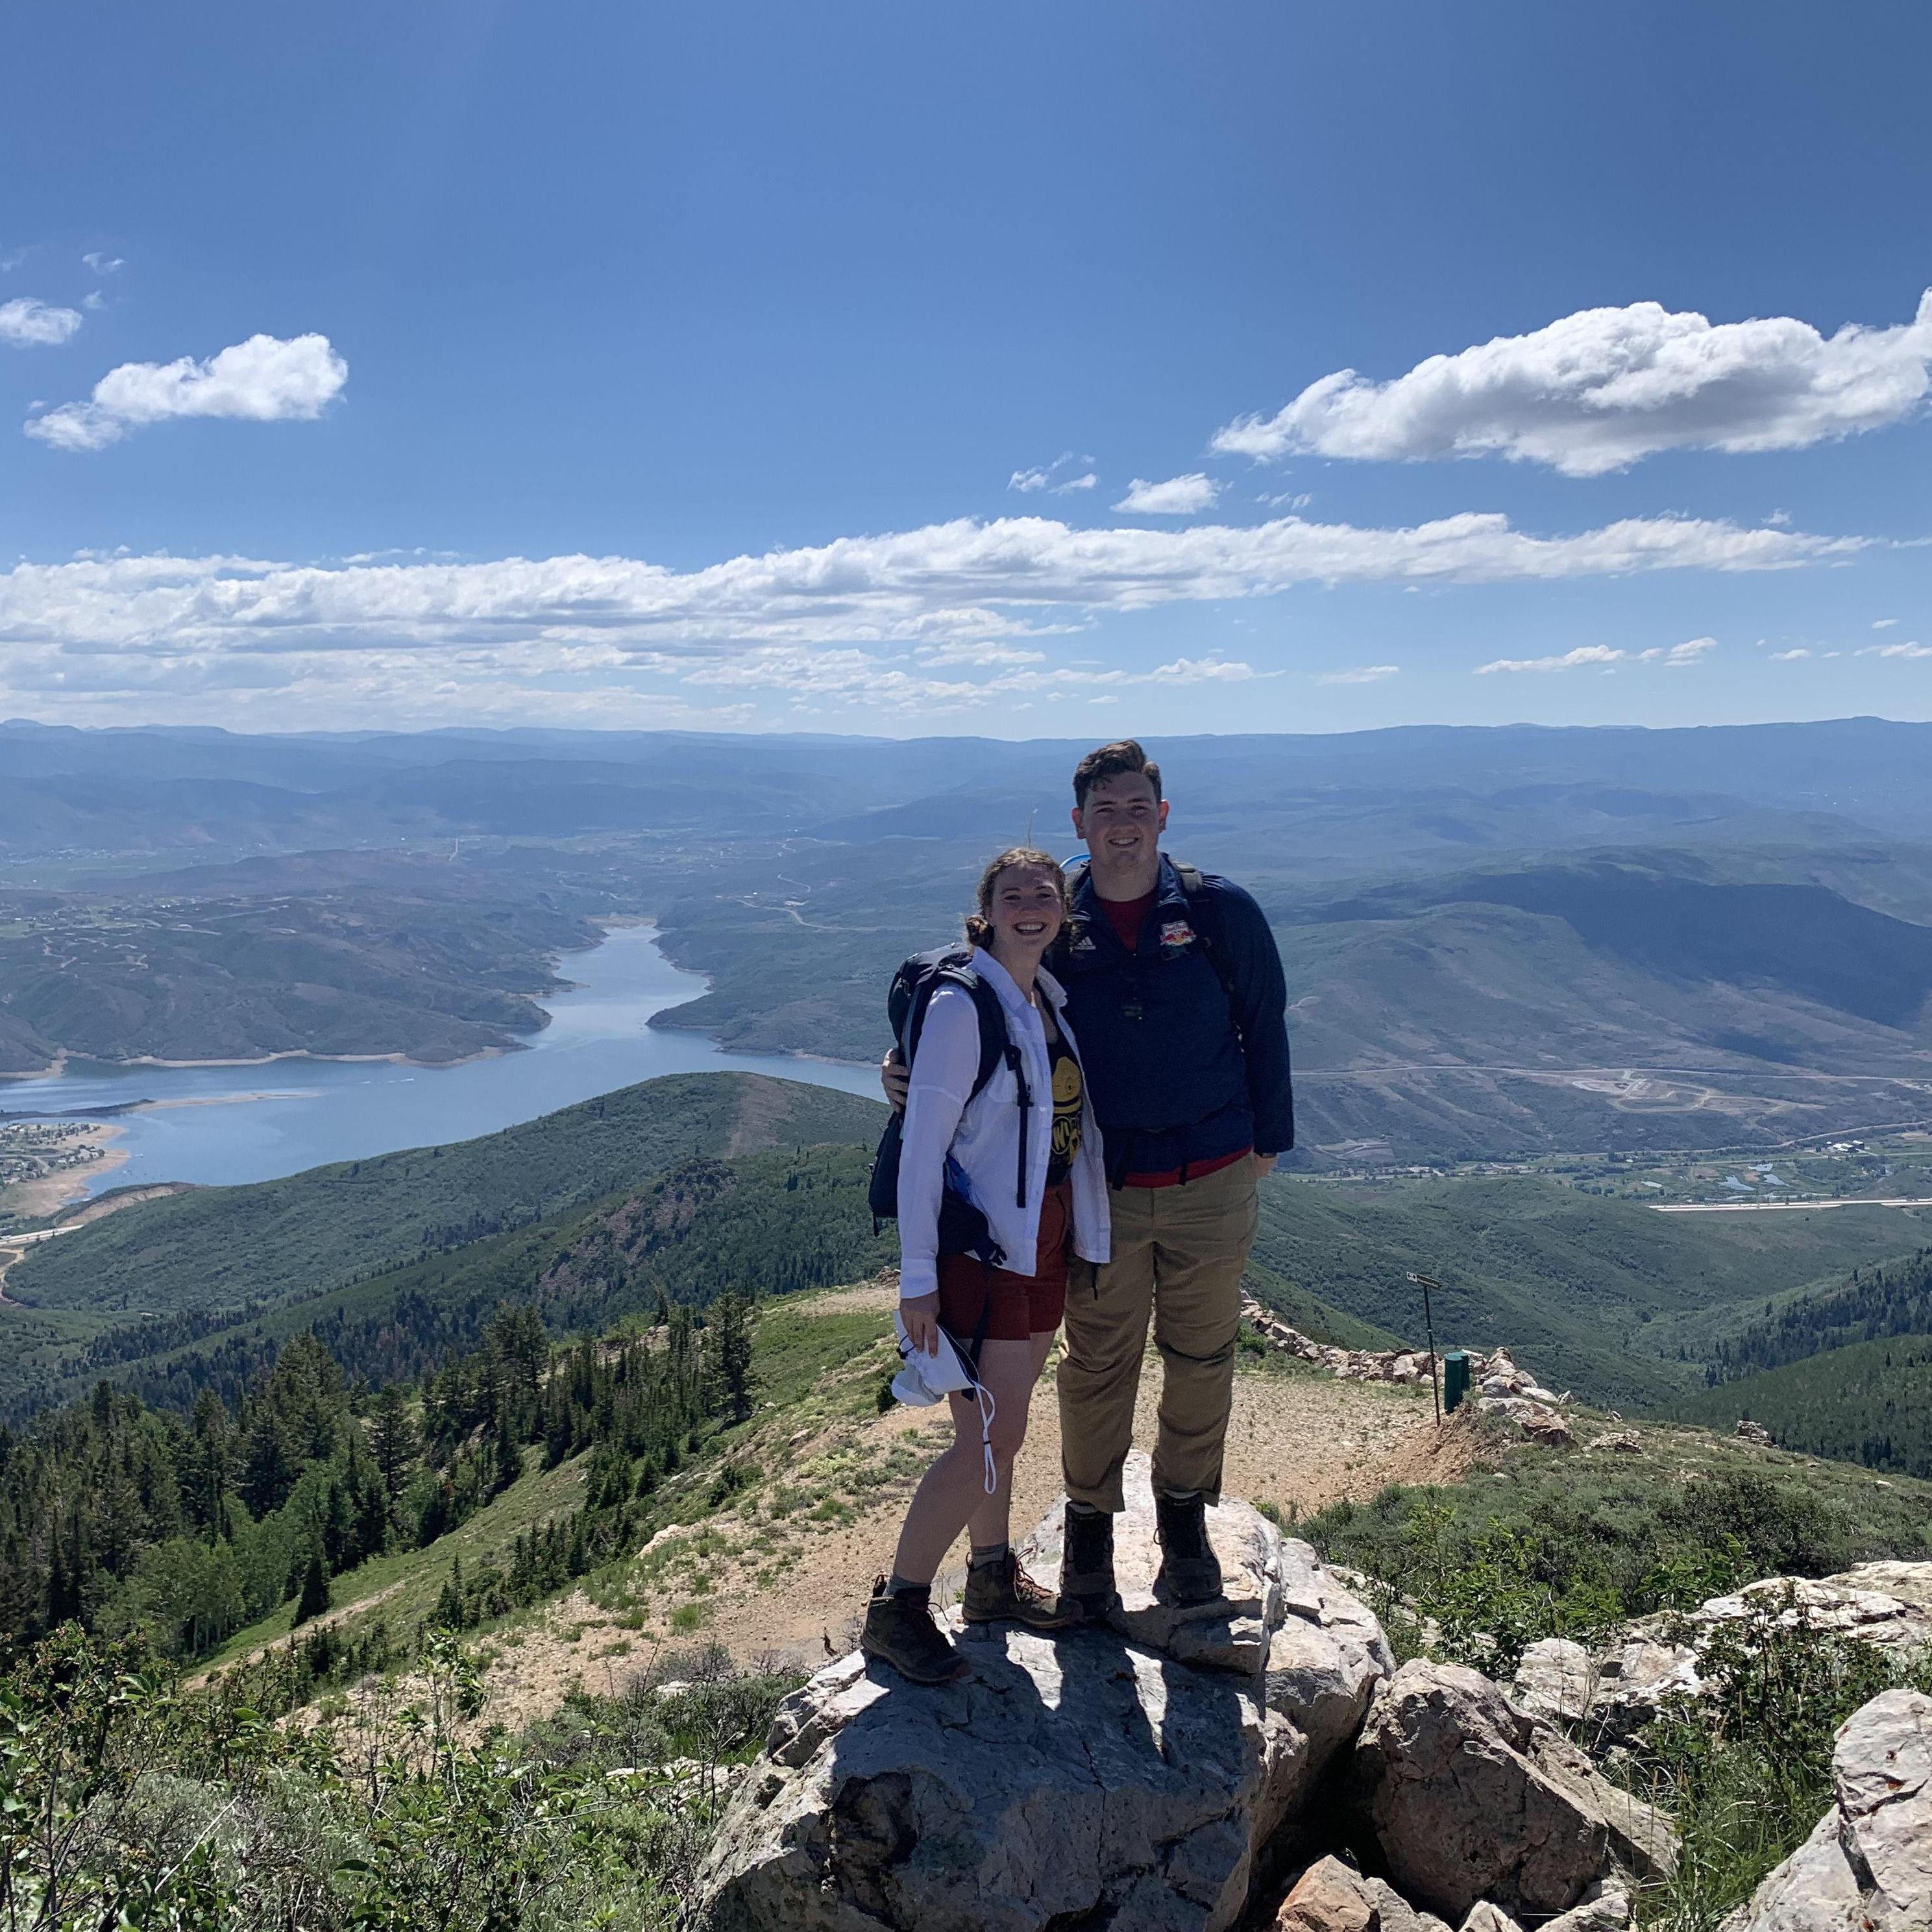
1265 1165
920 1314
895 1078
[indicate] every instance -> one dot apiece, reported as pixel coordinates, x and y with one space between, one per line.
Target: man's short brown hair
1113 761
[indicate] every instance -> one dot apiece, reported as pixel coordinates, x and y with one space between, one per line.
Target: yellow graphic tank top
1067 1098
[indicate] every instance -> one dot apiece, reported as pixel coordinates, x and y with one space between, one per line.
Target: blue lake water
223 1124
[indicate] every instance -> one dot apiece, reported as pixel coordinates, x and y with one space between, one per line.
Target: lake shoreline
196 1123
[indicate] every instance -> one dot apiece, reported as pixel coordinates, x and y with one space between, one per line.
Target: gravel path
1297 1438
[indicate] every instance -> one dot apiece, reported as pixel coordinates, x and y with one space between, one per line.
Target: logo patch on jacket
1177 932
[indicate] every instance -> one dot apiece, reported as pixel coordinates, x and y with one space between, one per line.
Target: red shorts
1022 1305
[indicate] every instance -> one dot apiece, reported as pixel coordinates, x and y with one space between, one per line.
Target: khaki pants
1178 1256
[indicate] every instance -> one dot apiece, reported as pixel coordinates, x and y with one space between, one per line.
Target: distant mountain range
1497 941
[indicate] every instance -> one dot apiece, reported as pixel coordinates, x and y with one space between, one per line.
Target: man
1174 991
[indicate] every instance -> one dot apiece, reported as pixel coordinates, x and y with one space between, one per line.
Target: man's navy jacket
1185 1039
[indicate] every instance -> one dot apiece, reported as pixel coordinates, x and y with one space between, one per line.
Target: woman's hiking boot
1001 1592
1087 1559
1189 1567
899 1631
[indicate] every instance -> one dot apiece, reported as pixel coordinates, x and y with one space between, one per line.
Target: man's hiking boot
1189 1566
1003 1593
1087 1560
899 1631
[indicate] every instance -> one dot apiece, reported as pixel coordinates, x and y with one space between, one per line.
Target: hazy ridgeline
1468 917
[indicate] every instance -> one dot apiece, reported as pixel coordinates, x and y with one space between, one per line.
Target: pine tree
314 1597
393 1442
731 1324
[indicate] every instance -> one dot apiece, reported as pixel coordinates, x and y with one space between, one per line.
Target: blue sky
739 326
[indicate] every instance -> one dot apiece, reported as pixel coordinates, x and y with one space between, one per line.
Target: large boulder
1909 1583
1868 1867
1128 1777
1231 1633
1461 1813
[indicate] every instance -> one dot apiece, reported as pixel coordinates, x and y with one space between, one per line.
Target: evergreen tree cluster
125 1518
1872 1304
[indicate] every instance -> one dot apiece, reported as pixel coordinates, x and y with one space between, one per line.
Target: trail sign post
1426 1283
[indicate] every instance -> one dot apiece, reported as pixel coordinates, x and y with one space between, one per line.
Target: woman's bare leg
953 1491
991 1521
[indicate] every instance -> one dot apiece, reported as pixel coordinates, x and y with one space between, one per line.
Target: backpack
963 1228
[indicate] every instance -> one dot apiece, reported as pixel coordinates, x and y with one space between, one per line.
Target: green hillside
1571 1279
278 1240
1870 1402
764 1225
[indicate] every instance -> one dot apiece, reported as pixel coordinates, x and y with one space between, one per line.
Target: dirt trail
1297 1441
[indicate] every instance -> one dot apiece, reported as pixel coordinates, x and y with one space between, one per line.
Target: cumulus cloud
1074 484
1026 481
1178 497
264 379
1911 650
26 323
1883 623
1791 656
1599 389
102 263
1359 674
950 616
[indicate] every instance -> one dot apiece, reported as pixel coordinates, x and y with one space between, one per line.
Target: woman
1035 1172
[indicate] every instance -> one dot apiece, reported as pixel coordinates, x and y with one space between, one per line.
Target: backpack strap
993 1045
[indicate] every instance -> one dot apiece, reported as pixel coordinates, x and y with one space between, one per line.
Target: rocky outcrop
1615 1691
1128 1776
1461 1813
1497 1385
1868 1867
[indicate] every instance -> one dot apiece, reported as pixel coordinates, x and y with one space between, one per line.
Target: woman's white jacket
975 1143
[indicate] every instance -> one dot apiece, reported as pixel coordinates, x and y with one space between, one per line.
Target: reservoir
219 1125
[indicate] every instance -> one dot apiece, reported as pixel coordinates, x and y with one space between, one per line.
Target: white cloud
1597 390
264 379
932 656
1027 482
1360 674
1178 497
1912 650
12 260
1690 651
1585 654
942 618
1884 623
103 264
1790 656
1686 653
26 323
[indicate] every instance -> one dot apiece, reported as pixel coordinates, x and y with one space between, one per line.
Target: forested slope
278 1240
1571 1279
